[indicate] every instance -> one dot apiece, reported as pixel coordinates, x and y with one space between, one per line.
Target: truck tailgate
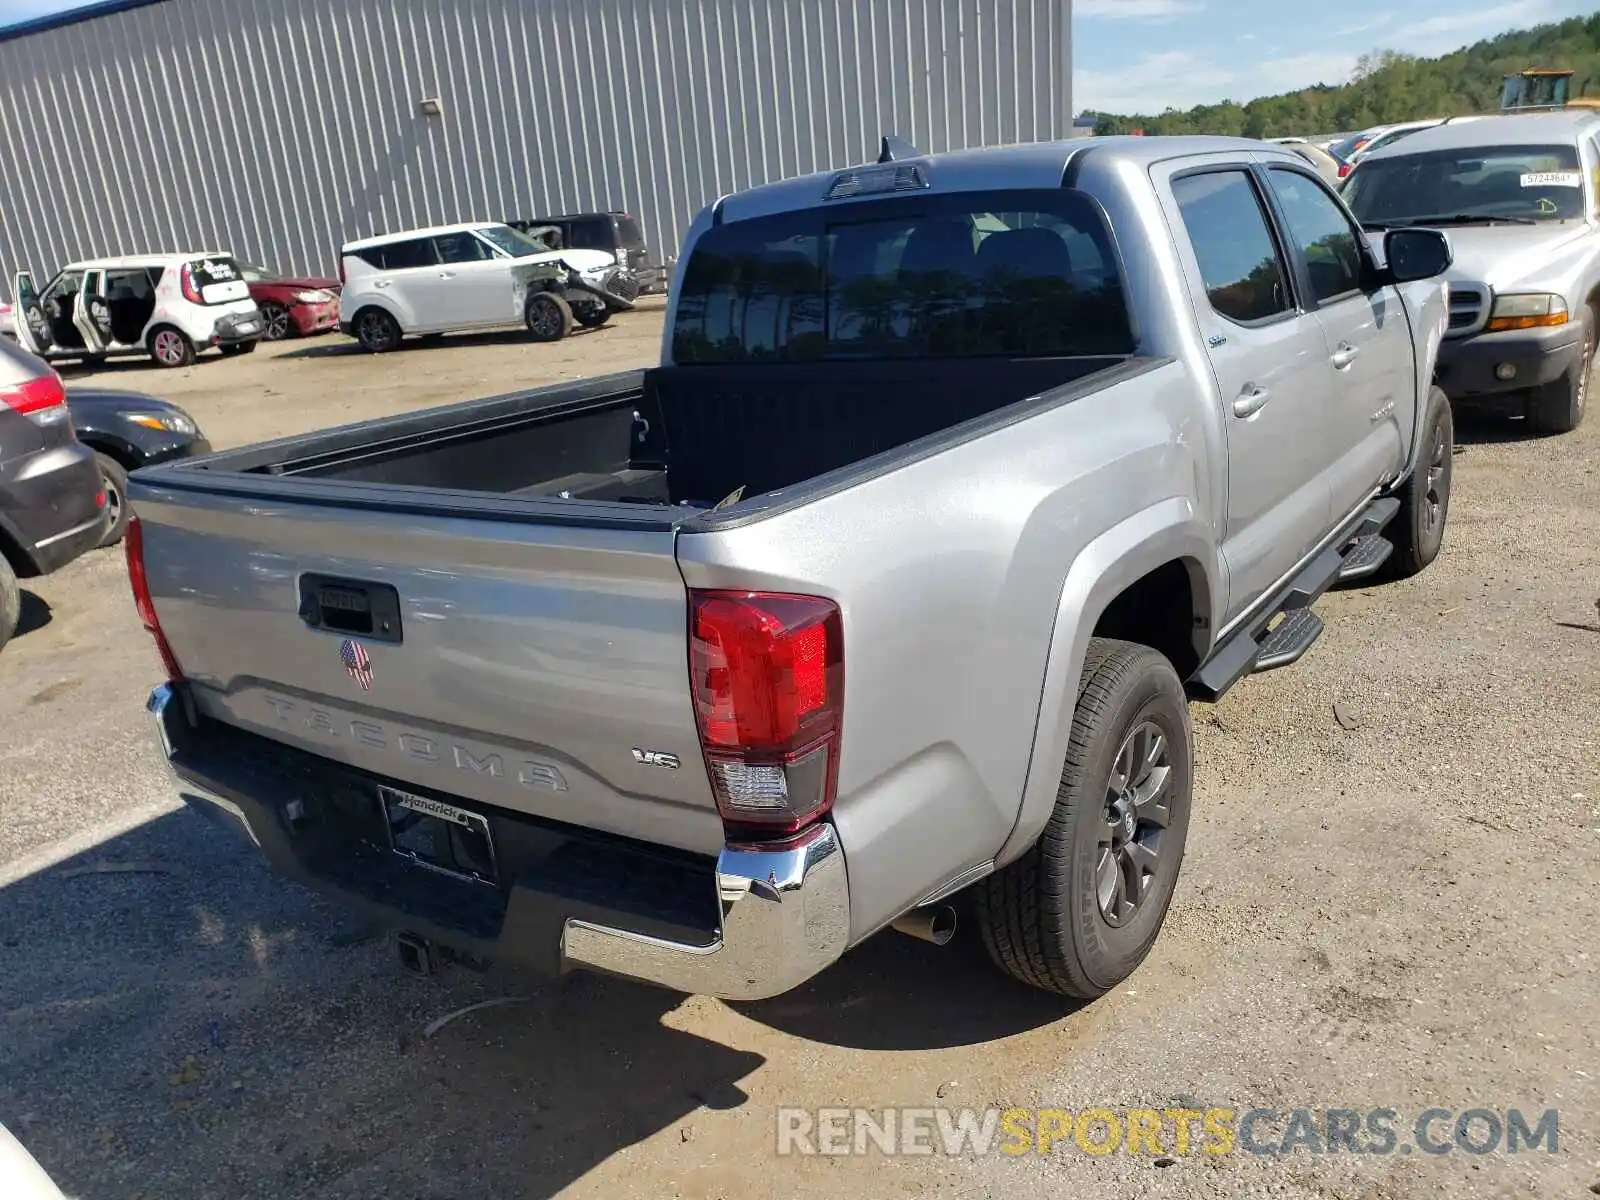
526 664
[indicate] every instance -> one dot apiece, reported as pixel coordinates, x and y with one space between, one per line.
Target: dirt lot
1391 905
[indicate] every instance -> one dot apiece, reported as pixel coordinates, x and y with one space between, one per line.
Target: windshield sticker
1571 179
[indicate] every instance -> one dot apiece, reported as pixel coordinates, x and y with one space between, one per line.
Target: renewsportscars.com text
1163 1132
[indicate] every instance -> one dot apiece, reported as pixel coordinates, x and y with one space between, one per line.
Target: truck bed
684 437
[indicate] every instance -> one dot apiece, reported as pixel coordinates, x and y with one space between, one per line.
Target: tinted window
1323 233
1541 183
514 242
629 235
1023 274
400 256
208 271
591 233
1239 261
460 248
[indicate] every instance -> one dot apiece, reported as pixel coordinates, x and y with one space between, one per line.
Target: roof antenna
895 148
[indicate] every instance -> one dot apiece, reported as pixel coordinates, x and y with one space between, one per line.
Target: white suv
475 276
169 306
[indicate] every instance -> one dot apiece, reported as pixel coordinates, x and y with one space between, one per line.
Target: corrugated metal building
280 128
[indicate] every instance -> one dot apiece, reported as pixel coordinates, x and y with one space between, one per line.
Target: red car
292 306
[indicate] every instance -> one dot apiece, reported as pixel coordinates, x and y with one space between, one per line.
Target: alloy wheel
1137 813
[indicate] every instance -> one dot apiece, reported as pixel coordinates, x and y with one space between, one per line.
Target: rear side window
400 256
1239 261
1017 274
591 233
629 235
209 271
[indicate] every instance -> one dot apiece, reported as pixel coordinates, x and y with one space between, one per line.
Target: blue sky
1187 52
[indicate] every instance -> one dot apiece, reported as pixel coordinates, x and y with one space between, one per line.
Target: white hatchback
169 306
474 276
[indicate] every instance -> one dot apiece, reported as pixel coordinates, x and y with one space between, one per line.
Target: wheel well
150 338
21 565
117 453
1158 611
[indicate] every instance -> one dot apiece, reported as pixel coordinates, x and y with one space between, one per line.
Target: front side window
460 248
255 274
1318 226
1244 275
1480 185
1019 274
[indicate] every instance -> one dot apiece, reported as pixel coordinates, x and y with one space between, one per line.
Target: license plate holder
439 837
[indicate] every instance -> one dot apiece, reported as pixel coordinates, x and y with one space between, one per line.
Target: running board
1259 644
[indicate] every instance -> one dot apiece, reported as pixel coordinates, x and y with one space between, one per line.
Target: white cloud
1181 79
1135 10
1380 22
1440 35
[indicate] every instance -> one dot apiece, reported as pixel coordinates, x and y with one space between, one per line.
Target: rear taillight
767 672
343 278
190 292
133 542
43 400
1344 170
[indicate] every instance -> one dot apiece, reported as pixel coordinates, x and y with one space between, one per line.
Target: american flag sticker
356 662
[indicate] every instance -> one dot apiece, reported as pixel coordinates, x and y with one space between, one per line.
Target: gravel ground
1389 907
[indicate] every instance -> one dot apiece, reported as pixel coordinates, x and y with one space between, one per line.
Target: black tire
275 323
591 316
377 331
548 316
1042 917
170 347
10 602
114 478
1557 407
1417 531
235 349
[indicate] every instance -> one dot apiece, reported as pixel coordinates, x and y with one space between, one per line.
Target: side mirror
1414 254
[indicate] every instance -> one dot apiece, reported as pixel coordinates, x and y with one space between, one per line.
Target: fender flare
1170 530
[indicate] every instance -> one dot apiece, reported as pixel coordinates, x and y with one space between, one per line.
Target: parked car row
65 454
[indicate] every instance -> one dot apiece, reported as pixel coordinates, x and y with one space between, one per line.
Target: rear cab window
967 275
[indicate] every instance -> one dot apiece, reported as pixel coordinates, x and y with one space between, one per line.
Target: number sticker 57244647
1538 179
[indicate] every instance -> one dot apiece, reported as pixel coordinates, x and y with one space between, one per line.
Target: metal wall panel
280 128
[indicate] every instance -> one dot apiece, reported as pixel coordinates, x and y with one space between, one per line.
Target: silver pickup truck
959 477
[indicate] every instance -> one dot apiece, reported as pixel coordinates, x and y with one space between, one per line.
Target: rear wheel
275 323
1558 406
549 316
170 348
1080 910
10 601
115 481
377 331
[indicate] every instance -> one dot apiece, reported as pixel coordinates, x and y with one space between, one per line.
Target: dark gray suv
52 504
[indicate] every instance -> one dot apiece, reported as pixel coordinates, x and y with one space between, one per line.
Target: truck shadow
36 613
176 1022
505 337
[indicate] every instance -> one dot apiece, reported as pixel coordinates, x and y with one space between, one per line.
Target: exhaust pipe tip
934 923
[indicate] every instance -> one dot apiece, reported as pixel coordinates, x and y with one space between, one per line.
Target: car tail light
190 292
1344 170
42 400
343 278
133 542
767 673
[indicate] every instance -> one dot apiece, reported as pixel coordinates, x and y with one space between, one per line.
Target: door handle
1250 401
447 274
1344 356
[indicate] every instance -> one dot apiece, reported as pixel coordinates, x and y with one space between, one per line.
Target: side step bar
1266 642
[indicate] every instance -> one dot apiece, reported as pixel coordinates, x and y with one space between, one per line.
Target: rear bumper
1467 366
238 327
55 506
756 923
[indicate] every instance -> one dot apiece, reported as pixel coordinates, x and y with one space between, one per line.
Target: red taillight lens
37 398
1344 170
133 543
767 672
190 292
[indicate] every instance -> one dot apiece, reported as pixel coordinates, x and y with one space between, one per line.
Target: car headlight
171 422
316 296
1527 310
